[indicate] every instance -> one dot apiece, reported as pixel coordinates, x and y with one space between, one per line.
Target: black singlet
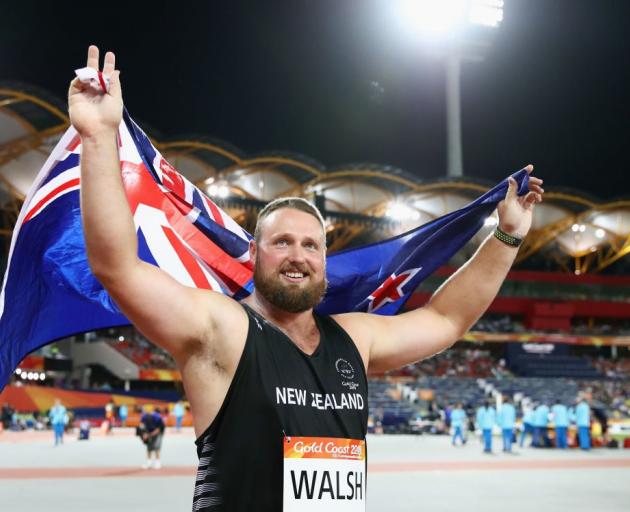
277 391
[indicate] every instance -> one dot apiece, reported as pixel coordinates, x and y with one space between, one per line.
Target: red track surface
189 471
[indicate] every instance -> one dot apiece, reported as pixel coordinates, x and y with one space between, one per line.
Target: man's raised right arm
174 316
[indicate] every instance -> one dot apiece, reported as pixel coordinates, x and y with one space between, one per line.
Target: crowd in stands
458 363
613 368
497 323
144 353
613 395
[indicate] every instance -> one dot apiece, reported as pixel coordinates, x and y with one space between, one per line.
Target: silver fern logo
345 369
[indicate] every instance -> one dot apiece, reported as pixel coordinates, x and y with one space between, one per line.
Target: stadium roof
575 230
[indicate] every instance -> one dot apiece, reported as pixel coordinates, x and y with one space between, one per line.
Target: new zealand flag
49 292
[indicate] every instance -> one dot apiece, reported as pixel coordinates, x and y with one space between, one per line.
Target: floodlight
444 16
488 13
432 16
401 212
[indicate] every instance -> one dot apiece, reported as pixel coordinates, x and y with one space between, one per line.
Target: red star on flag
391 290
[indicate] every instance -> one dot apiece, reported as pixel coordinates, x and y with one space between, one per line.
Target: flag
49 292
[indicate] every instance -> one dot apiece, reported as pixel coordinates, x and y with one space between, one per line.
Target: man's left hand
515 213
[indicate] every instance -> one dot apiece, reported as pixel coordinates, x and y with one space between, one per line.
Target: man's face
290 258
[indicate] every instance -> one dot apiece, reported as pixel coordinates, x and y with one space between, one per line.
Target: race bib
324 473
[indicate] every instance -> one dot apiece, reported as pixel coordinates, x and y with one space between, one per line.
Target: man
541 421
583 422
123 412
486 418
279 393
178 412
528 425
151 431
58 419
109 417
458 422
507 418
560 423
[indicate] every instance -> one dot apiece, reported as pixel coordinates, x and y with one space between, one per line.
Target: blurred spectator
458 422
506 420
123 412
541 421
560 418
583 422
486 418
58 419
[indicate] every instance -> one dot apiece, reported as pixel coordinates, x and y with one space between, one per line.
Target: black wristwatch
507 239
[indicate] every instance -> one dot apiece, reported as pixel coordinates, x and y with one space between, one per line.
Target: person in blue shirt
583 422
178 412
560 423
506 419
458 422
486 418
528 426
123 412
58 419
151 431
541 420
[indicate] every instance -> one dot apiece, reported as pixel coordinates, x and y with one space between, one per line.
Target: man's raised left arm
394 341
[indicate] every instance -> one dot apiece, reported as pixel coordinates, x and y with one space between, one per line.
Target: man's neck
300 327
280 317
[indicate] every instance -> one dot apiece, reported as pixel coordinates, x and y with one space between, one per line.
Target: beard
289 297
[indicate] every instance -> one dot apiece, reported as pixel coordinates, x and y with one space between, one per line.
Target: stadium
555 340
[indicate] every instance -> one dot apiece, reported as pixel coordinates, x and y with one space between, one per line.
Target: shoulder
359 327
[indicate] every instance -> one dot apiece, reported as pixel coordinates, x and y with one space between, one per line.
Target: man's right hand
93 112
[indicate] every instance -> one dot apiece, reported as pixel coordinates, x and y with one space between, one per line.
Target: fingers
75 86
110 63
92 60
114 84
532 198
529 168
511 191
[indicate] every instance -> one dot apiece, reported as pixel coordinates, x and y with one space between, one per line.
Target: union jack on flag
49 292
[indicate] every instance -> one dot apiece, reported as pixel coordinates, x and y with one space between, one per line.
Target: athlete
278 392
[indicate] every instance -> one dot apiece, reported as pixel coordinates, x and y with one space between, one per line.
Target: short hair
296 203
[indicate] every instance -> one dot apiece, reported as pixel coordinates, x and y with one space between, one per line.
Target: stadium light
449 21
441 17
401 212
488 13
219 190
600 233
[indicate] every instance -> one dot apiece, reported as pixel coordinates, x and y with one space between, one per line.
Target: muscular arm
165 311
174 316
452 310
389 342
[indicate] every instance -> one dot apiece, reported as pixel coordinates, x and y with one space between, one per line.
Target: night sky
299 75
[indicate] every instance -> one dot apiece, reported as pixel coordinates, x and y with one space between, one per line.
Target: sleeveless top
278 392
